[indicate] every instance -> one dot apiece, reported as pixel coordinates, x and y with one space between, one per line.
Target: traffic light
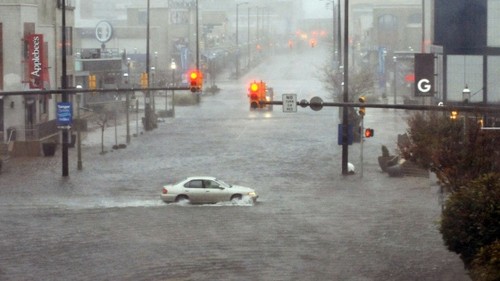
362 109
254 94
312 42
369 133
144 80
92 82
195 80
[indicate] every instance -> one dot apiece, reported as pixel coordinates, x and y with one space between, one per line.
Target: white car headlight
252 194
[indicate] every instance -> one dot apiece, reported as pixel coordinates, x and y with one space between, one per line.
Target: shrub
486 264
471 218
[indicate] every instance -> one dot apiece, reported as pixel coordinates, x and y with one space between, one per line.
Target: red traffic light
369 133
254 87
195 80
193 75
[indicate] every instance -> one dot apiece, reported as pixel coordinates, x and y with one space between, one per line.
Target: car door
194 189
214 192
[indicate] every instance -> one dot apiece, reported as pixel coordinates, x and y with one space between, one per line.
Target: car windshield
223 184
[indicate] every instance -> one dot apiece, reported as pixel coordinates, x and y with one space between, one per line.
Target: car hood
241 188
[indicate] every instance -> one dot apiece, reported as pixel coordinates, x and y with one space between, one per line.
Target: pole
248 40
237 45
127 102
362 140
78 133
345 116
147 108
136 117
197 39
127 115
64 85
339 32
395 85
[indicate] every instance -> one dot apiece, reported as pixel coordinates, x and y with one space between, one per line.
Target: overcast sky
316 9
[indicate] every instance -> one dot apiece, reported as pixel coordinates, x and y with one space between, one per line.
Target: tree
465 159
471 219
456 152
361 82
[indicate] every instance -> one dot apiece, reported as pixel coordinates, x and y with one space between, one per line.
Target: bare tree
361 82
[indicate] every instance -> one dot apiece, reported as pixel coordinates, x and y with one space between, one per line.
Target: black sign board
424 75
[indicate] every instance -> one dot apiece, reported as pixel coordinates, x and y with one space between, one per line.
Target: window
387 23
415 19
194 184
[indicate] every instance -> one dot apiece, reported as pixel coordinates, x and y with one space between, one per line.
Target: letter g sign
424 85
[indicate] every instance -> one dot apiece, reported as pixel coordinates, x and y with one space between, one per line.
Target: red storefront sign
36 62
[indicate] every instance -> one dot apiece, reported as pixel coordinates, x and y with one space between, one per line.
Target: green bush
471 218
486 264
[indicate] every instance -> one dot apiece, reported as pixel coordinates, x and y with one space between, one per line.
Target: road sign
424 75
64 114
350 135
289 102
316 103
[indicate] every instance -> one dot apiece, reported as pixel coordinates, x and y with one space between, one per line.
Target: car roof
201 178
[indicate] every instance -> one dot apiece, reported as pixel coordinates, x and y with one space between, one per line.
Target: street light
173 66
395 60
237 40
466 94
78 129
127 100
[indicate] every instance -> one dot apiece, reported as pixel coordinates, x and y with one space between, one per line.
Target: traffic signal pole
361 141
345 116
64 85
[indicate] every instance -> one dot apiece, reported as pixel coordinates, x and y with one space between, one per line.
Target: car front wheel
236 197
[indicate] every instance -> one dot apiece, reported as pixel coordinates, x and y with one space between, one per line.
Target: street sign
350 134
424 75
64 114
289 102
316 103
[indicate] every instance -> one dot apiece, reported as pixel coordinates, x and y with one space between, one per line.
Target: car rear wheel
182 199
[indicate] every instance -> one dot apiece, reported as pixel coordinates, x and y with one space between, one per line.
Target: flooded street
107 222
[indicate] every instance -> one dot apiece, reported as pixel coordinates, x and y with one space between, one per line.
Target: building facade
30 60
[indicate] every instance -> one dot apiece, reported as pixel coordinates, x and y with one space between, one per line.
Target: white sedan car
205 190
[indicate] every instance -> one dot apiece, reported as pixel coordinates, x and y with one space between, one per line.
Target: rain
139 121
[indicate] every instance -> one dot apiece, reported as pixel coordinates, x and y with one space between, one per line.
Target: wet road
106 222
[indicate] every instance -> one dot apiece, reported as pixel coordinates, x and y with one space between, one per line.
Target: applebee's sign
35 60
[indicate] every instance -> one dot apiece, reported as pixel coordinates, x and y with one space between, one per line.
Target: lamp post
237 40
248 40
78 129
147 108
466 94
466 98
127 106
173 66
394 82
197 38
127 100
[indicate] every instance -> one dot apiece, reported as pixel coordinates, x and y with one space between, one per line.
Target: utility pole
345 116
64 86
147 109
